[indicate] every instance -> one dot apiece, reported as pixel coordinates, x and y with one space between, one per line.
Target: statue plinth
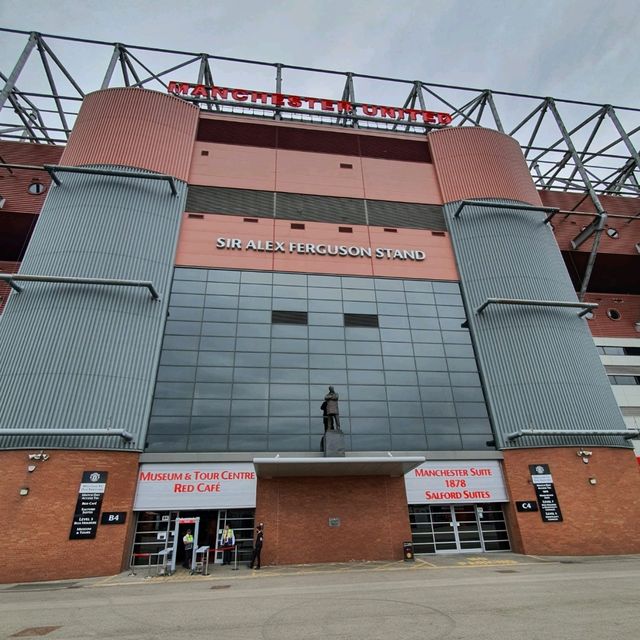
333 443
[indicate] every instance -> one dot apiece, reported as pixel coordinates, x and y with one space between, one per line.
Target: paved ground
479 597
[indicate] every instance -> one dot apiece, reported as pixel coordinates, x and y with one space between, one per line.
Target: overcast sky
579 49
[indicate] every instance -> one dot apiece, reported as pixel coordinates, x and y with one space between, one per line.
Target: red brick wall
5 289
35 544
374 519
14 183
601 519
604 327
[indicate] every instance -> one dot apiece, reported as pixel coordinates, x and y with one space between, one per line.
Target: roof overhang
279 467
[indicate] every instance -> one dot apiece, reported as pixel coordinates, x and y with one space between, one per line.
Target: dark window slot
389 230
297 225
345 229
289 317
438 233
204 153
360 320
249 219
346 165
199 216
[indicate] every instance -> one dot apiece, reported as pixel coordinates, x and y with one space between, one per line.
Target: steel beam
52 170
17 69
627 434
500 205
12 278
585 306
125 435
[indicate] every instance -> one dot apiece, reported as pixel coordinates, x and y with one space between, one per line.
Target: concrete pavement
474 596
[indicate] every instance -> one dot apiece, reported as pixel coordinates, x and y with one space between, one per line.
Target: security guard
228 541
187 540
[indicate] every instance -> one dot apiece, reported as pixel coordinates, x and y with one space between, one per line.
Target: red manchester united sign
248 97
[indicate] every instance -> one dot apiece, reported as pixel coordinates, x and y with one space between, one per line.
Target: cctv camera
34 456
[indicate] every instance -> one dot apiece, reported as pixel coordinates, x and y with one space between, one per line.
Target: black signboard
113 517
526 506
546 492
90 494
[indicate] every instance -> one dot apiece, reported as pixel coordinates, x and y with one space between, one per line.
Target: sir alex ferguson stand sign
88 505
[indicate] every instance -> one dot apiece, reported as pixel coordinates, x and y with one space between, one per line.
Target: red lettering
369 109
183 488
178 88
444 118
413 113
294 101
345 105
429 117
240 95
277 99
387 112
219 93
327 105
200 90
258 96
311 102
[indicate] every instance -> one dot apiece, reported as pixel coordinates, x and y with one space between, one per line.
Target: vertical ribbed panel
540 366
134 128
84 356
472 162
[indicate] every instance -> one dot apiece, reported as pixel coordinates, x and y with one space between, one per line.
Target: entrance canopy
278 467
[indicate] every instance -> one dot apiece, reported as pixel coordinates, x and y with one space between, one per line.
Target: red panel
5 289
134 128
604 327
198 239
567 228
14 183
472 162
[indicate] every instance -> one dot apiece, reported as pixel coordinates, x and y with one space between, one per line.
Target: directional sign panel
525 506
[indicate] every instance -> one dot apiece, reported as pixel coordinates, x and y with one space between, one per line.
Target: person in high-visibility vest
227 541
187 540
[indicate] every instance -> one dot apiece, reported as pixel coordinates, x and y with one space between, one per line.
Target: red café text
342 107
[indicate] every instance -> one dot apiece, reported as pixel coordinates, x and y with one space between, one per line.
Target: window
625 380
249 219
360 320
614 314
297 225
346 165
36 188
345 229
289 317
613 233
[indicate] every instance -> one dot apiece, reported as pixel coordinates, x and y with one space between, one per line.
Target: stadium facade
198 278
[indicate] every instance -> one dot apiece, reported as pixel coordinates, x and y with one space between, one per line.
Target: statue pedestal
333 443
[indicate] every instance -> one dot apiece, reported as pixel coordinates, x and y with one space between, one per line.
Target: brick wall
627 306
5 289
35 528
601 519
374 519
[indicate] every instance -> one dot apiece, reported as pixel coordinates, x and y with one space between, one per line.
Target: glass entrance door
466 527
458 528
444 529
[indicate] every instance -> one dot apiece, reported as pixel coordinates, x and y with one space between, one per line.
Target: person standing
187 540
257 547
227 542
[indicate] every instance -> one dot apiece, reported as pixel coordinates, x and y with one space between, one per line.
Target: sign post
87 512
546 492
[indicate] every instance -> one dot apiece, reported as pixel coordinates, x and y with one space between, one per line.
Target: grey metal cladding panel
242 202
539 365
405 215
295 206
85 357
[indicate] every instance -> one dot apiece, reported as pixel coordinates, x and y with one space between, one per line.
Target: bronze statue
331 414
